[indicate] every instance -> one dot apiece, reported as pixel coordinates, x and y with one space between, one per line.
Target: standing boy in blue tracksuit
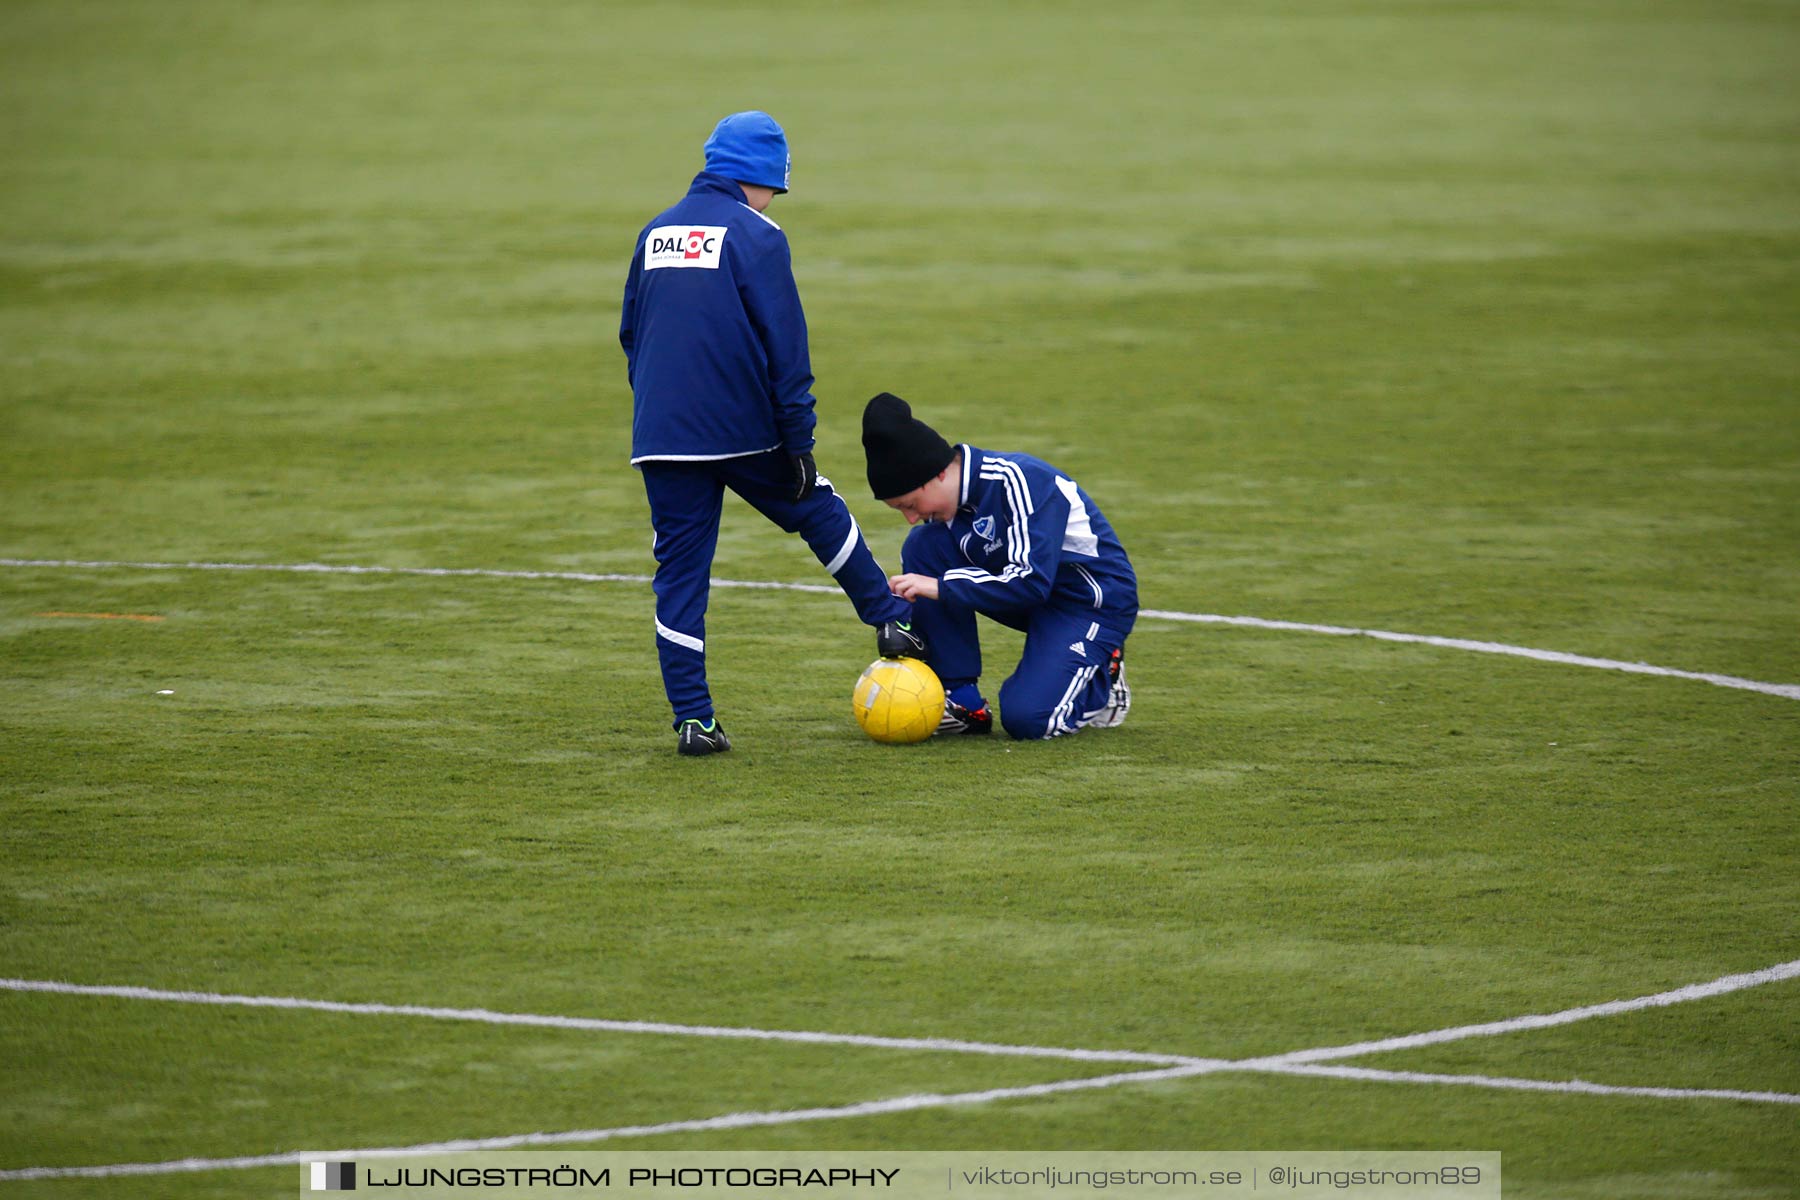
1010 537
716 352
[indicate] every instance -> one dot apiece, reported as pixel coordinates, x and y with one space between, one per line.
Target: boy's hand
913 587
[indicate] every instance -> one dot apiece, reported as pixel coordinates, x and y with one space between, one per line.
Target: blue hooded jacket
714 335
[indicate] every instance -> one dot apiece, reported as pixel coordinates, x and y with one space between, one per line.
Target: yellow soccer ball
898 700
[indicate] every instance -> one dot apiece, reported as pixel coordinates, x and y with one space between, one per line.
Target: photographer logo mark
333 1176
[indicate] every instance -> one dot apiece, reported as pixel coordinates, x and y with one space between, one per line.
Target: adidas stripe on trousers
686 500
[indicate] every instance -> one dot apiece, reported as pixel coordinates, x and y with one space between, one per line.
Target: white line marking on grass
1298 1063
352 569
1790 691
743 1120
488 1017
1697 991
1580 1086
869 1108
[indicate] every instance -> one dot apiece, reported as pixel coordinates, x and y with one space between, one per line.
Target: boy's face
936 500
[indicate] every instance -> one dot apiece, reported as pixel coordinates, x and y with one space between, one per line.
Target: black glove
804 474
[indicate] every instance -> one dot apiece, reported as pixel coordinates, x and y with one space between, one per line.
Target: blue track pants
1061 677
686 499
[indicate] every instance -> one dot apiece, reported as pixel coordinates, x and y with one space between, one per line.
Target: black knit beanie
903 451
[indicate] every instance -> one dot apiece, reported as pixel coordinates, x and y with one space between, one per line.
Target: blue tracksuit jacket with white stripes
714 335
1032 536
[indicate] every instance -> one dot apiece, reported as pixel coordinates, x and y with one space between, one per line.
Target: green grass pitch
1478 320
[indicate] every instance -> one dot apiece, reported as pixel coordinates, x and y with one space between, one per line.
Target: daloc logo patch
684 246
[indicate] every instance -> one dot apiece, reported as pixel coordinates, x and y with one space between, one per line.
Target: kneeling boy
1008 536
